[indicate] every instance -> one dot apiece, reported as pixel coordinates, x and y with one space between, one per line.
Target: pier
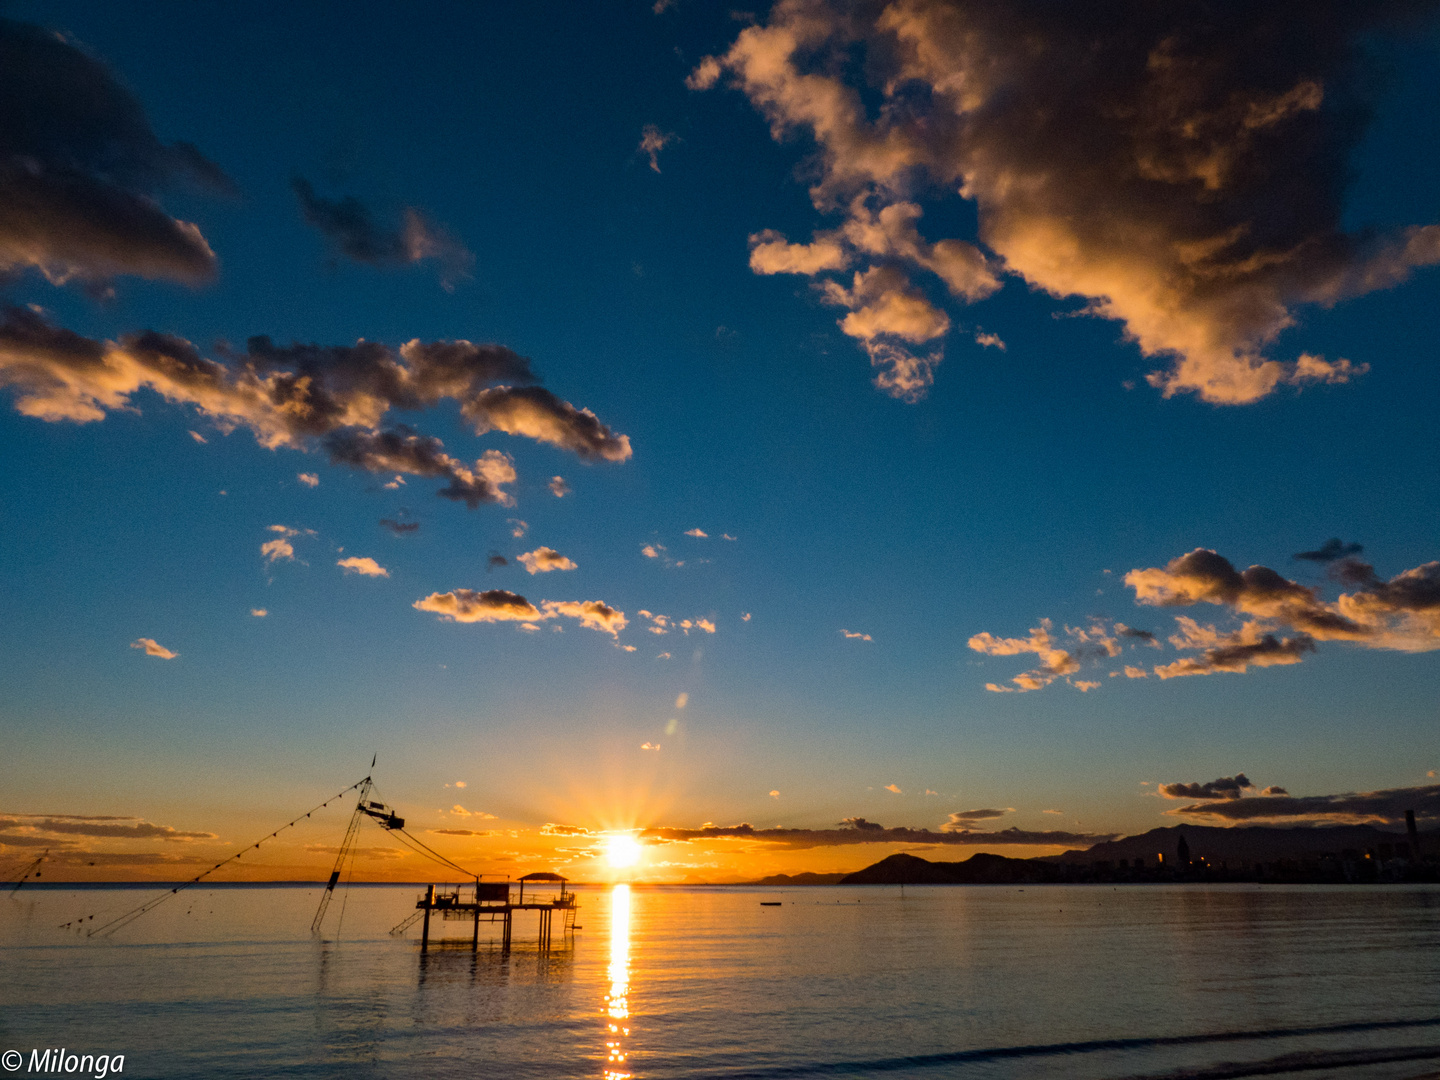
497 902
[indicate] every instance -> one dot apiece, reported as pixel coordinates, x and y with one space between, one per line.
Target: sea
990 982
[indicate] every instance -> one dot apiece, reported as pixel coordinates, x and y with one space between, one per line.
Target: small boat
770 903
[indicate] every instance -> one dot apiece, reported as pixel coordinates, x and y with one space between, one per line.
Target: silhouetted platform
496 901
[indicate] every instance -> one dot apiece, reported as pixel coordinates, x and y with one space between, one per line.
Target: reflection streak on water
617 1001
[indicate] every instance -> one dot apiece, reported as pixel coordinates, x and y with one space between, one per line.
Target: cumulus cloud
698 533
543 560
80 168
280 547
558 487
1061 657
309 479
364 566
1055 662
1226 787
1182 176
1233 652
650 746
259 612
1273 621
518 528
153 648
771 253
309 397
595 614
468 606
1385 807
538 414
855 635
1401 614
352 231
499 605
653 140
860 831
663 624
399 528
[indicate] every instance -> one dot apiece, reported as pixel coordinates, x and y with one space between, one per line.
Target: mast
346 848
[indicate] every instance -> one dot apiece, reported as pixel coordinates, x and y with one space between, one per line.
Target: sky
783 436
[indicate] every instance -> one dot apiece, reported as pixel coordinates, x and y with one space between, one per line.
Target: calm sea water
982 982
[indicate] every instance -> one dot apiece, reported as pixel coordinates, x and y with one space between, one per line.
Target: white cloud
309 479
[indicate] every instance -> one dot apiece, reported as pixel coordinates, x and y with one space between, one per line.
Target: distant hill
1225 854
979 869
1246 845
806 878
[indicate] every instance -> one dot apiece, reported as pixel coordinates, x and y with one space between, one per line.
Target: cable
106 929
430 852
426 852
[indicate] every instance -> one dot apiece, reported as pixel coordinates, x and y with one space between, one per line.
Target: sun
622 851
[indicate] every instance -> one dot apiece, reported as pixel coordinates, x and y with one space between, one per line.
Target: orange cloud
153 648
308 397
365 566
543 560
1183 181
499 605
468 606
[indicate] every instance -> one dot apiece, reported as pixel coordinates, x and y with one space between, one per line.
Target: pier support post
505 939
425 929
475 937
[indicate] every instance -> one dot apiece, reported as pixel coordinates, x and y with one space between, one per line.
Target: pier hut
498 901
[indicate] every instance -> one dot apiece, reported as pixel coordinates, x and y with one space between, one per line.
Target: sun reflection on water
617 1001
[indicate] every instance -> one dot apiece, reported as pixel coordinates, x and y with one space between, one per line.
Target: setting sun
622 851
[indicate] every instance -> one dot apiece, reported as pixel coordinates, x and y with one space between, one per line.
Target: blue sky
1023 485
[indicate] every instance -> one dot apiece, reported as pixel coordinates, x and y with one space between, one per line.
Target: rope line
429 852
106 929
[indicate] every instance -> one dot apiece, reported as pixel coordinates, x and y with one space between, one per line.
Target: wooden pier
497 902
